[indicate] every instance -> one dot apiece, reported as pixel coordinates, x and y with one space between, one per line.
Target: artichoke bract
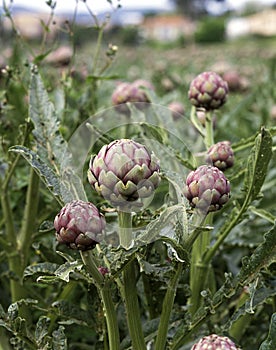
124 172
208 90
79 225
221 155
207 188
215 342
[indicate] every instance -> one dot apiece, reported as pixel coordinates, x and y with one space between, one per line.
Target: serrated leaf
263 214
48 279
52 149
50 144
260 297
270 342
156 132
71 312
59 339
46 267
153 230
257 164
41 329
64 270
263 256
47 175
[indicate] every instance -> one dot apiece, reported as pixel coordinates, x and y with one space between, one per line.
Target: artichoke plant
215 342
130 92
79 225
177 109
208 90
124 172
221 155
207 188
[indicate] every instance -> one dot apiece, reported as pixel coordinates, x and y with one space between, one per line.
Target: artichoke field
137 195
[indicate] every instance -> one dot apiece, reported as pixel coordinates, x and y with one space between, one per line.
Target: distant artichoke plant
130 92
177 109
79 225
207 188
124 172
221 155
215 342
208 90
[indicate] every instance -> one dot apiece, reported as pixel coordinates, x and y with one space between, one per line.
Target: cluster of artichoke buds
215 342
131 92
208 90
124 172
221 155
207 188
79 225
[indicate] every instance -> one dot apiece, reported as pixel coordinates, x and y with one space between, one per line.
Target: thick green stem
199 269
29 222
14 259
167 306
129 289
209 138
106 297
211 252
125 224
132 308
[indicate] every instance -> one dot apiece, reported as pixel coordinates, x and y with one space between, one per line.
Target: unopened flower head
215 342
207 188
208 90
132 93
221 155
79 225
124 172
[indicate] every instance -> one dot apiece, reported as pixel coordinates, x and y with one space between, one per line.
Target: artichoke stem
167 307
199 268
129 290
125 229
209 137
104 291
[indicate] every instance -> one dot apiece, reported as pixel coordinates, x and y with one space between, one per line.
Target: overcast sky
100 5
94 5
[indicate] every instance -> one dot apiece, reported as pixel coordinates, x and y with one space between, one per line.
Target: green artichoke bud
215 342
208 90
79 225
123 172
221 155
207 188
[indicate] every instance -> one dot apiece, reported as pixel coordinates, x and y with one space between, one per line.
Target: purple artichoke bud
120 96
79 225
207 188
215 342
208 90
103 270
130 92
124 172
221 155
177 109
201 115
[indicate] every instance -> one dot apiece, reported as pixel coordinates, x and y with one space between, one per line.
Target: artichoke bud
208 90
124 172
215 342
79 225
207 188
